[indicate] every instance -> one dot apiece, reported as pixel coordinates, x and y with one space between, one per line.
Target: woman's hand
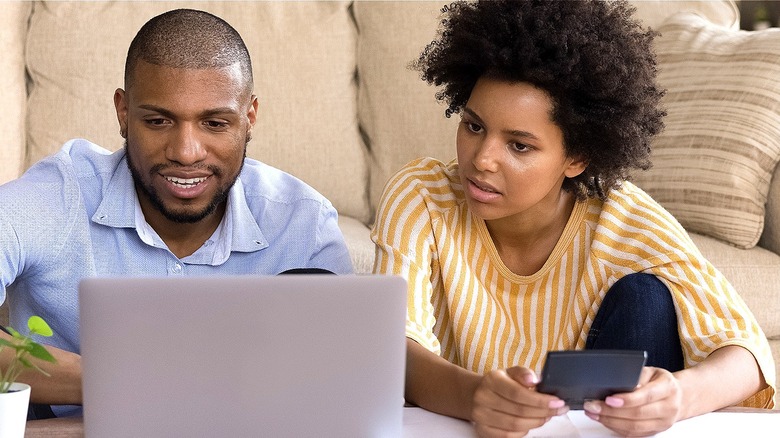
506 405
653 407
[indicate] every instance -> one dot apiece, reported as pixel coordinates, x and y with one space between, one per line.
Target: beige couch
339 109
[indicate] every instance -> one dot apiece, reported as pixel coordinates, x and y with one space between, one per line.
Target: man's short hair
188 38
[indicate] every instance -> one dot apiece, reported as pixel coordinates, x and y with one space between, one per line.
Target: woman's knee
641 290
638 313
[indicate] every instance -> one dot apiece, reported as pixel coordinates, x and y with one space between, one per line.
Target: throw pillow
713 163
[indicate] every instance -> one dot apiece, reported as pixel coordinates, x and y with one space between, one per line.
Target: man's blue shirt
75 214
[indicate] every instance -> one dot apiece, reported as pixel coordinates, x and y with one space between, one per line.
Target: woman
533 239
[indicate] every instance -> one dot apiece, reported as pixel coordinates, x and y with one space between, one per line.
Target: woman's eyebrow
513 132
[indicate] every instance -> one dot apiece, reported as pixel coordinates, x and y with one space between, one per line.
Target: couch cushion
399 115
653 13
361 248
304 64
755 273
770 238
12 82
712 165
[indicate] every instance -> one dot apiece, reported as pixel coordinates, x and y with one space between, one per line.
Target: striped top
467 306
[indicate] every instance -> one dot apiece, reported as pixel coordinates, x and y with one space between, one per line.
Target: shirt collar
238 231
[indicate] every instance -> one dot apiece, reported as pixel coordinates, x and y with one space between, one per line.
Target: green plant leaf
25 362
39 326
39 352
25 348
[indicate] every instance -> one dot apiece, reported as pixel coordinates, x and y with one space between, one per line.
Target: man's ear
576 166
120 104
251 116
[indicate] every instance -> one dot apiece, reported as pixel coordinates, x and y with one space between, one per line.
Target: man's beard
184 217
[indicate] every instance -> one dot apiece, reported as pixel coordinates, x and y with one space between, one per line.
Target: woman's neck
525 242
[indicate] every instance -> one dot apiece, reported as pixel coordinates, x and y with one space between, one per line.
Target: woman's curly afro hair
594 60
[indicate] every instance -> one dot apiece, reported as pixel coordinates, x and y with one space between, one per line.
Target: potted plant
15 396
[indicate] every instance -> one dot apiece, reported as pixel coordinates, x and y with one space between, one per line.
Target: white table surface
419 423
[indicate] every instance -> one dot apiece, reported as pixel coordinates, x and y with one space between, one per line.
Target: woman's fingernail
614 402
555 404
592 416
592 407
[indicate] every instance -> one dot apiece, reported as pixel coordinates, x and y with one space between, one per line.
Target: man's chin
186 215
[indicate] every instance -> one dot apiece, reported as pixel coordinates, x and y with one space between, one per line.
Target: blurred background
758 14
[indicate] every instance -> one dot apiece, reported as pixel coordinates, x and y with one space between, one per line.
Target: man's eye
155 122
215 124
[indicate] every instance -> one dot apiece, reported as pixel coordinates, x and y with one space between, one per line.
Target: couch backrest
397 110
339 106
304 66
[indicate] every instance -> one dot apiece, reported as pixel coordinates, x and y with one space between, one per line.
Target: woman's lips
482 192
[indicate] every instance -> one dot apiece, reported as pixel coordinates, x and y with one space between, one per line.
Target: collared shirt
76 214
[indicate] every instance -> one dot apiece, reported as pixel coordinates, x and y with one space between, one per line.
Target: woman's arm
438 385
726 377
500 402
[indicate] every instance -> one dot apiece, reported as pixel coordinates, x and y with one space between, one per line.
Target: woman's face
511 155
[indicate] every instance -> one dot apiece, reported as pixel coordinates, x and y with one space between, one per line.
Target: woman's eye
473 127
519 147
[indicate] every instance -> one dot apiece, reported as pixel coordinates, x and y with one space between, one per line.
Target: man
181 198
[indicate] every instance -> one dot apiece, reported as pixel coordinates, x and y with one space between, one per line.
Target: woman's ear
576 166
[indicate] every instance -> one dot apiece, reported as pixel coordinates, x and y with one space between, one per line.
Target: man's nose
186 147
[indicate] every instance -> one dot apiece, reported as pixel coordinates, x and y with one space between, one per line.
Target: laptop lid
298 355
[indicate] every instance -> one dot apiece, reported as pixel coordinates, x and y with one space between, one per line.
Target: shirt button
177 268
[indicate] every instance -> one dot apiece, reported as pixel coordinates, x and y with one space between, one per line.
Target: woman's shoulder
427 181
629 199
428 169
631 211
428 178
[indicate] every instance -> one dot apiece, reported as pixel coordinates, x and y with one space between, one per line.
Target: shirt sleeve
712 315
10 260
332 253
403 236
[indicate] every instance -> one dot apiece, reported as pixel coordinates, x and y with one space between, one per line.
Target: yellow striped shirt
467 306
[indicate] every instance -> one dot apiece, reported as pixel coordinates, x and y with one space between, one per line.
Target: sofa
340 109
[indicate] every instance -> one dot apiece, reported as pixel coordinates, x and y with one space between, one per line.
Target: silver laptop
243 356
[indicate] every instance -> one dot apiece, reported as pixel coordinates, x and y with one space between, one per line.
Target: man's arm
62 387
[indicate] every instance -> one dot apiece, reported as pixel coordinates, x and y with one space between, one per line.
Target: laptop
241 356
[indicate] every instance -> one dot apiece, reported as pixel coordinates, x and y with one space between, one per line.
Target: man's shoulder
76 163
263 181
70 182
78 157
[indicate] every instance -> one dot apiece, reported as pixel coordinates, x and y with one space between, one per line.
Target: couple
557 101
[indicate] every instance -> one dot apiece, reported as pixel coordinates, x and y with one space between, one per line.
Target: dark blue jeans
638 314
